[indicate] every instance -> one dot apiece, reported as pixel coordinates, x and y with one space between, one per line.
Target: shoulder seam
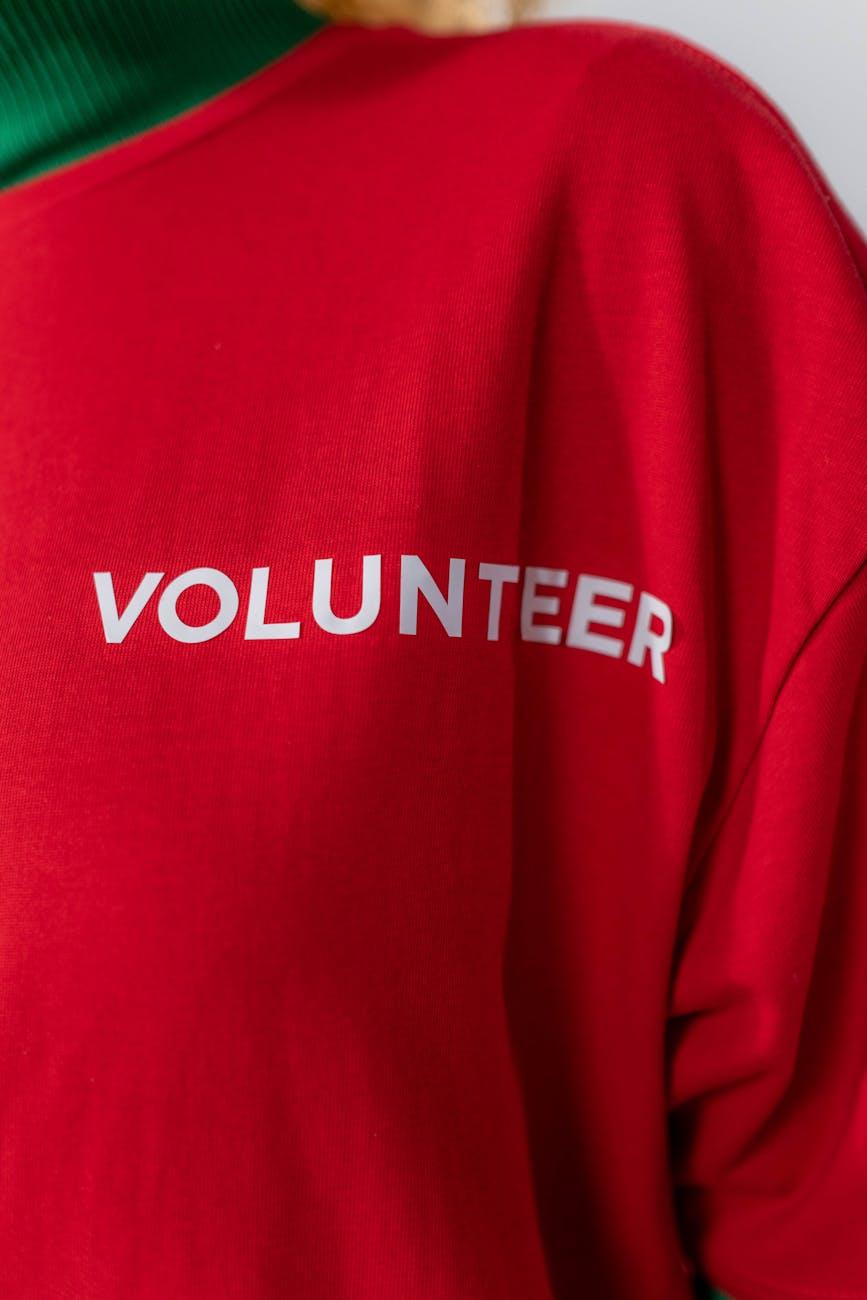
783 127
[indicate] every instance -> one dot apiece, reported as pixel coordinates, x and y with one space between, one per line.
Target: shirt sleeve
727 285
768 1016
766 1037
767 1031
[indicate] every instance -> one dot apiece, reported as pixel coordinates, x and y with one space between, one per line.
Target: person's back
432 861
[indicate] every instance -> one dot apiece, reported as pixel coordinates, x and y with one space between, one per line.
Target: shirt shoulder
642 68
657 96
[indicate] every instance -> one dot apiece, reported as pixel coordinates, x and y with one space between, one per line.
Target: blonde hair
426 15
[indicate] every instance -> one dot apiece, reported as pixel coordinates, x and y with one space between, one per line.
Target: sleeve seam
756 749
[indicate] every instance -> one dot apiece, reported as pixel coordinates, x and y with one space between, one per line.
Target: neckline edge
33 194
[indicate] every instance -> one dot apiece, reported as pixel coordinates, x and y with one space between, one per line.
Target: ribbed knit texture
78 75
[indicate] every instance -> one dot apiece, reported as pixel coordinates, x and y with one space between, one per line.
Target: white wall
810 56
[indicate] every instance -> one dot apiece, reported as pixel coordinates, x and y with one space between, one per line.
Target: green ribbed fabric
78 75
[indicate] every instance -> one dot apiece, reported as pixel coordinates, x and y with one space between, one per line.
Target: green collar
78 75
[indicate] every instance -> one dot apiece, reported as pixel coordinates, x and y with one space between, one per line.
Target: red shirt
432 775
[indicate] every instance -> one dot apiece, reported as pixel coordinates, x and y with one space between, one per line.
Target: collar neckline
78 76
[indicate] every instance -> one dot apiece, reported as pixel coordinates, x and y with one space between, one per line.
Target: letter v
117 625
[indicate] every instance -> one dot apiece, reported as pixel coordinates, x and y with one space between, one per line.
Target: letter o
218 582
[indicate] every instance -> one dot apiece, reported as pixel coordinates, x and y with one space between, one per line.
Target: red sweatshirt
432 764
